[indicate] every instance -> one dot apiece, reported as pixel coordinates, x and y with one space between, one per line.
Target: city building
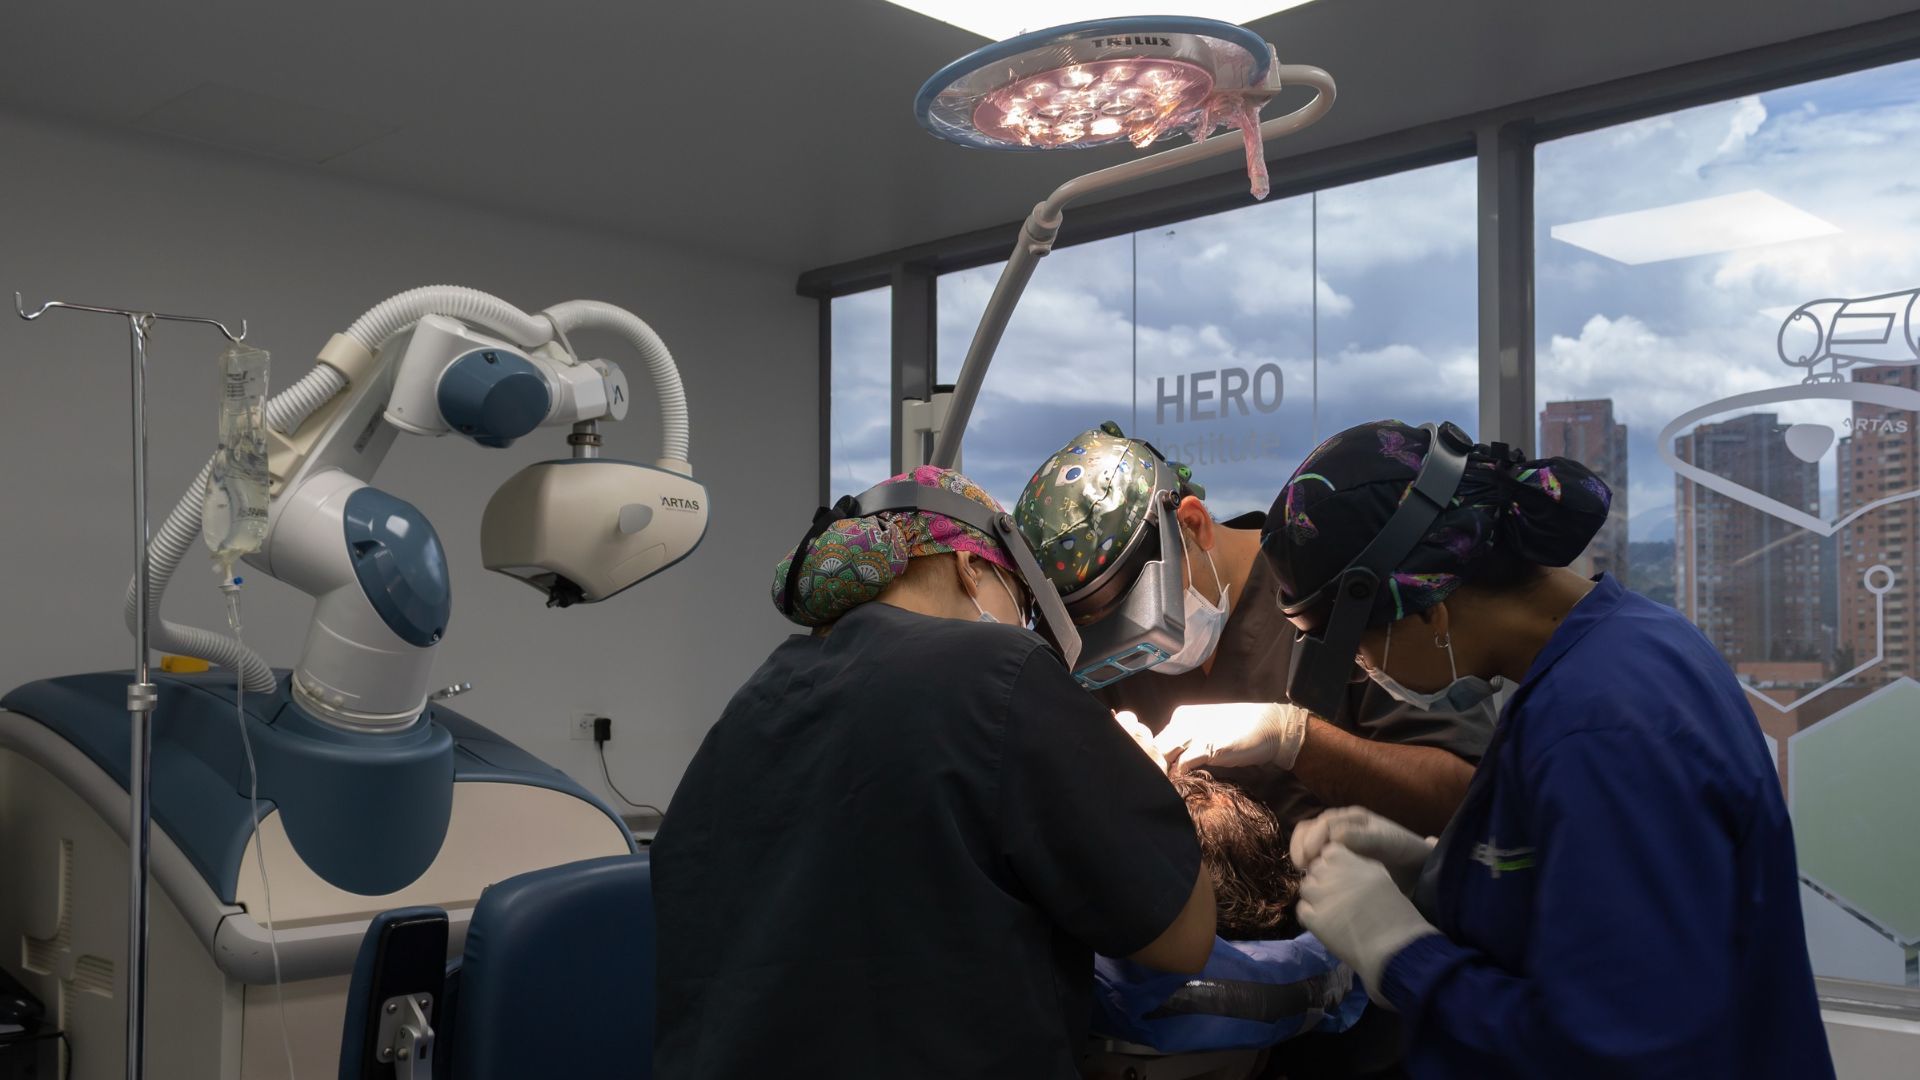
1748 579
1586 432
1879 458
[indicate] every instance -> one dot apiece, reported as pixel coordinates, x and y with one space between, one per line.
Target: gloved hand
1352 905
1130 723
1401 850
1244 733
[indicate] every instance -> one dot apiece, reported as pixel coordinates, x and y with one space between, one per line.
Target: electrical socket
580 726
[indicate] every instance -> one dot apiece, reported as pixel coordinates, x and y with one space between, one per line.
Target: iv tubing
231 587
177 535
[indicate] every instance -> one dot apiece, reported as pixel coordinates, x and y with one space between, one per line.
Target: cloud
1652 378
1748 115
1401 373
1404 218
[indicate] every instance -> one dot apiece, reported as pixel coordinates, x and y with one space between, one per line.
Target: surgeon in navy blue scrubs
1617 896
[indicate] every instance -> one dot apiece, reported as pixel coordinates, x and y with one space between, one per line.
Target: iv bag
234 519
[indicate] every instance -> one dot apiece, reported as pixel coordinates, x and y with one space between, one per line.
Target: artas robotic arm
436 361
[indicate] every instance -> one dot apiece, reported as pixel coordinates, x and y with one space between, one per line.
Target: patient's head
1244 849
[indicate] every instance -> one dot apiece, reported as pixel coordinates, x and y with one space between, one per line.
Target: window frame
1502 141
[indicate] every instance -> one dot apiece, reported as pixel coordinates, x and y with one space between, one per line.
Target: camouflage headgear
1091 506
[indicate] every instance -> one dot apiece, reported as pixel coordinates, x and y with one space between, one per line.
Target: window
1064 364
861 415
1728 318
1234 342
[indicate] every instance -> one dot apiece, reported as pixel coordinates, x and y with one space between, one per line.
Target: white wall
104 217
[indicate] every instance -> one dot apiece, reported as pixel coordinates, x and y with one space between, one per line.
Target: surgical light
1094 83
1093 104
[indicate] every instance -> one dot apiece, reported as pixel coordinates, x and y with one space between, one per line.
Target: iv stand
141 693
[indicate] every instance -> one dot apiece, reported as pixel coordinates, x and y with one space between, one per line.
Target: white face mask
1204 624
1456 696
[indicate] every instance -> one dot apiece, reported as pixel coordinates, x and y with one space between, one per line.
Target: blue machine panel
335 790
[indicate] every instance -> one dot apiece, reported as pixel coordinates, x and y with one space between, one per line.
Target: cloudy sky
1363 299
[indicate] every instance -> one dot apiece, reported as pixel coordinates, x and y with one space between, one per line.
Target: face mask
1458 695
1204 624
984 616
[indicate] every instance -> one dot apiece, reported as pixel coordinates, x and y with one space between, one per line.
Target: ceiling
778 131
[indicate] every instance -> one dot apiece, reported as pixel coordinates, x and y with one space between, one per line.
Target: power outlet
580 727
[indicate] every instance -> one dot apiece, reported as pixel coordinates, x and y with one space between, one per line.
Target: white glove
1142 736
1352 905
1401 850
1245 733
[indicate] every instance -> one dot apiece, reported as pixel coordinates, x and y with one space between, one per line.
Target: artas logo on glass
1877 331
1784 436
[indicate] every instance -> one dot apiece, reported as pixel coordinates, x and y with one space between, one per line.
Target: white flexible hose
592 314
396 313
286 411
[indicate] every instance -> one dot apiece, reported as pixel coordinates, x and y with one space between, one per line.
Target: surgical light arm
1042 227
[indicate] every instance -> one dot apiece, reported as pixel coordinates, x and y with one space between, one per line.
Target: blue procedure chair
556 979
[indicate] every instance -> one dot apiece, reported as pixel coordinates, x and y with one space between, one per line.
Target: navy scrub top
1618 893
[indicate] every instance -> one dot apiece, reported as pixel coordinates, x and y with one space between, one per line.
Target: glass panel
1064 364
1226 367
1234 342
861 416
1729 329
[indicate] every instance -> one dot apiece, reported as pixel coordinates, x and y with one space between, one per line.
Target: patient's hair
1244 849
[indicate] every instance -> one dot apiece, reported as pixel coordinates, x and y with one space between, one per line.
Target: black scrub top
1250 664
895 856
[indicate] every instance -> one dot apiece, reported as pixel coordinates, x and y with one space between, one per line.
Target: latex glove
1142 736
1401 850
1353 906
1244 733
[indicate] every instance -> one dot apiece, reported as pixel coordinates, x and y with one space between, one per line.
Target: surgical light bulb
1093 103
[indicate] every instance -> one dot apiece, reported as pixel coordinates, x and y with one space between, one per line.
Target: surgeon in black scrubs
899 848
1219 700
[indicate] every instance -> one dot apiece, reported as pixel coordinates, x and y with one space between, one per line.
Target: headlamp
1332 619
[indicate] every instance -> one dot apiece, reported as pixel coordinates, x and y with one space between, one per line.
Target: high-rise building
1748 579
1586 432
1879 458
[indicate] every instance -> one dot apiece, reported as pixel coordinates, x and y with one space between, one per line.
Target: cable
259 848
66 1069
602 747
